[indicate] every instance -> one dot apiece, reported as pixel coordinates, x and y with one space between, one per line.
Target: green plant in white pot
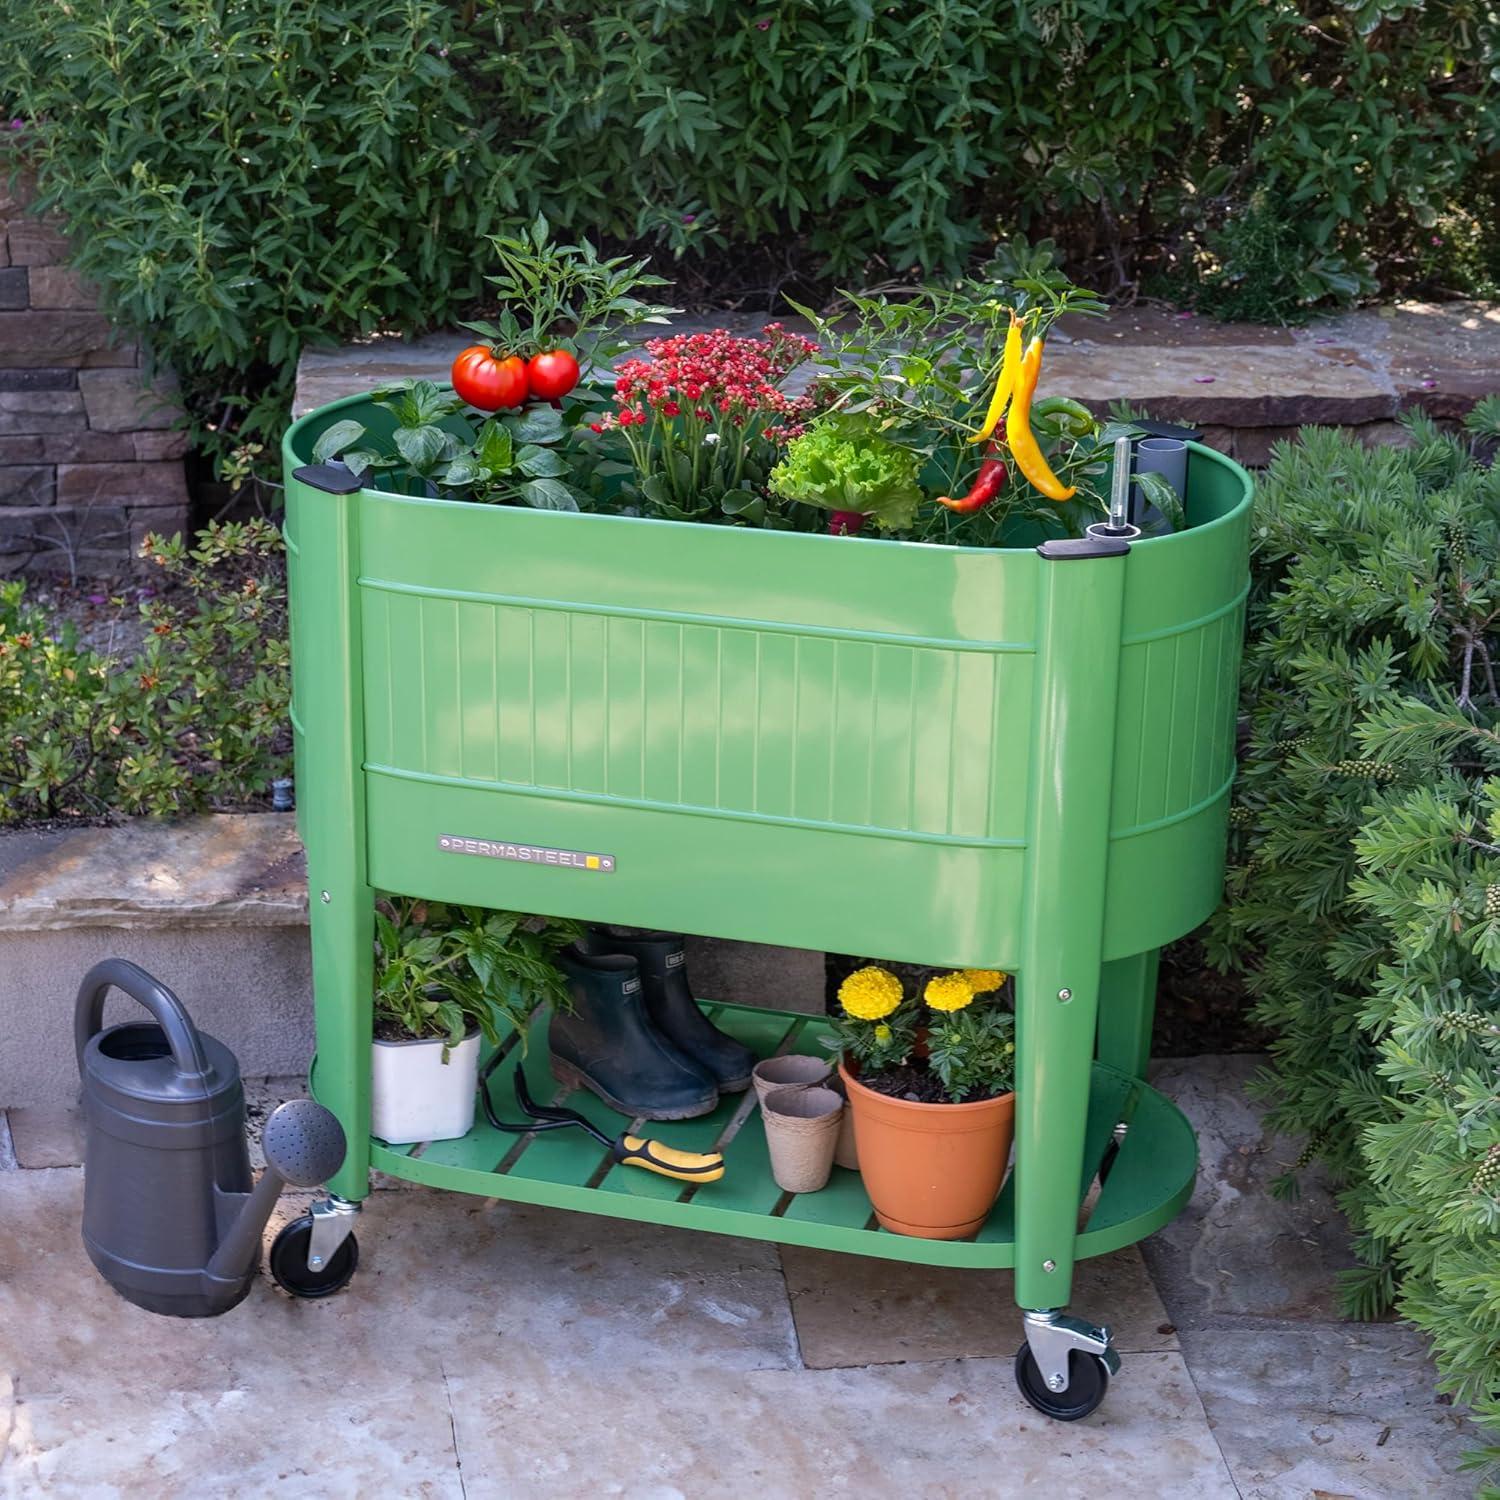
445 978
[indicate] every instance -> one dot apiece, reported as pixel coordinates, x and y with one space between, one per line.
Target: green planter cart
1015 759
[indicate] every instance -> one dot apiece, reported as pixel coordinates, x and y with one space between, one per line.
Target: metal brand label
528 854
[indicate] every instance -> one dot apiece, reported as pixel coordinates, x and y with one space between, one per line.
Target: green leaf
342 435
543 463
537 424
494 447
548 494
421 447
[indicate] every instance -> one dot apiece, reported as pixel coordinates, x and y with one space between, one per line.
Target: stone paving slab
490 1349
1236 1250
496 1350
855 1310
1332 1411
213 870
47 1135
947 1430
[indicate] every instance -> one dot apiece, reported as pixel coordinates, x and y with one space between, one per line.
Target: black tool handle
166 1010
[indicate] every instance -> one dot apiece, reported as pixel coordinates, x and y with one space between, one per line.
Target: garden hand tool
628 1150
670 1005
608 1043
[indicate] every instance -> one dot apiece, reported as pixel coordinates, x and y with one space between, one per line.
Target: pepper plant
444 971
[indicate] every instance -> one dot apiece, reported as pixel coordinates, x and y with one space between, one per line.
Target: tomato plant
488 381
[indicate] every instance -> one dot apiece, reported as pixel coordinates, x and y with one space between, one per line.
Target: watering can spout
304 1146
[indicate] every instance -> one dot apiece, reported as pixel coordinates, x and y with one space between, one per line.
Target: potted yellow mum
930 1086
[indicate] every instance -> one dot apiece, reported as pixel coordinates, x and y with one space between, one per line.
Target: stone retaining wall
89 462
216 908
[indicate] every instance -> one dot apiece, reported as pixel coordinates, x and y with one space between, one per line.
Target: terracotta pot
932 1170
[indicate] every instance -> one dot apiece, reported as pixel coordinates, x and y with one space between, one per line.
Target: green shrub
194 719
243 178
1365 884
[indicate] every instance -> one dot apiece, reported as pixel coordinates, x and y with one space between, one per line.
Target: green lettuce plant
843 464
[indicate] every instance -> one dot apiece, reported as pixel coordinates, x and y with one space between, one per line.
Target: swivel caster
1064 1366
316 1255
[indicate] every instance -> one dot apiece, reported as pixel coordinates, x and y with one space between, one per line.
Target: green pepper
1059 415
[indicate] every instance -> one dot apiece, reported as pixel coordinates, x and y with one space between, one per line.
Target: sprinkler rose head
303 1142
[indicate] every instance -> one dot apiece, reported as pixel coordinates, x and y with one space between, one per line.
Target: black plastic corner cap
1077 548
332 479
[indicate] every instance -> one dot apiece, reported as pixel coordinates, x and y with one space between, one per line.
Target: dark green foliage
244 178
196 718
1367 857
1262 270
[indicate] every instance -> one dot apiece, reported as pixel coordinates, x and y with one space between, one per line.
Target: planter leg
1081 590
343 934
1127 1006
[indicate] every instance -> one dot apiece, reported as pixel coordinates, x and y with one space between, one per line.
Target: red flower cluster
715 374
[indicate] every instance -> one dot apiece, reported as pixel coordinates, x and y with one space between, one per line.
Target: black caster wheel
291 1272
1088 1380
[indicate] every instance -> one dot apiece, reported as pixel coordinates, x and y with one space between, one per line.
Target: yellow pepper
1005 385
1023 445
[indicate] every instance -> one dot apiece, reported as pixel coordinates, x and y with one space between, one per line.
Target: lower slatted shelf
1148 1169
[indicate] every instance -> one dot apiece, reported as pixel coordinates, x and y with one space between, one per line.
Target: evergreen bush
1365 872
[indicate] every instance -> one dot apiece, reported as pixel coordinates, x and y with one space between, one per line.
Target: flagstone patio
488 1349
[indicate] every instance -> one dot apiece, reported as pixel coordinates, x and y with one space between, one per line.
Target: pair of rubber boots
635 1035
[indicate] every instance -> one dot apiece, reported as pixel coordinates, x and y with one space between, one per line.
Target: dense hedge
246 176
1365 884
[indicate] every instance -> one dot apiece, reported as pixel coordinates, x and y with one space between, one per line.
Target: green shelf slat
843 1204
747 1185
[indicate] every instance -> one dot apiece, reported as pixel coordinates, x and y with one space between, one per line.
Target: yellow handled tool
689 1166
628 1150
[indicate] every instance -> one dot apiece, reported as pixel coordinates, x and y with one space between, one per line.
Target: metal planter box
988 758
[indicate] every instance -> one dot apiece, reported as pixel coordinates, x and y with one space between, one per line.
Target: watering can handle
166 1010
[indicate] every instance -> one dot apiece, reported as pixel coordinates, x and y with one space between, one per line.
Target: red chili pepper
987 484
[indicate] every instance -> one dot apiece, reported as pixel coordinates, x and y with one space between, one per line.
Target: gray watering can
170 1217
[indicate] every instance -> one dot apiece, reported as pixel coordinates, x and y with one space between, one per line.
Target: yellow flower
882 1033
948 992
870 994
982 981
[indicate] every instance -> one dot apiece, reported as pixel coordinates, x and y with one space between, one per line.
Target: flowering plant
704 416
956 1043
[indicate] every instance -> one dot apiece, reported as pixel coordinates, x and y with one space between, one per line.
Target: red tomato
552 375
487 382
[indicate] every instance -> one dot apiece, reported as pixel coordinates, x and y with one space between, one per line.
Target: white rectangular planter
416 1096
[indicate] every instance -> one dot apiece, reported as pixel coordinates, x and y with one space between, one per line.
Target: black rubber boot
608 1044
670 1004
